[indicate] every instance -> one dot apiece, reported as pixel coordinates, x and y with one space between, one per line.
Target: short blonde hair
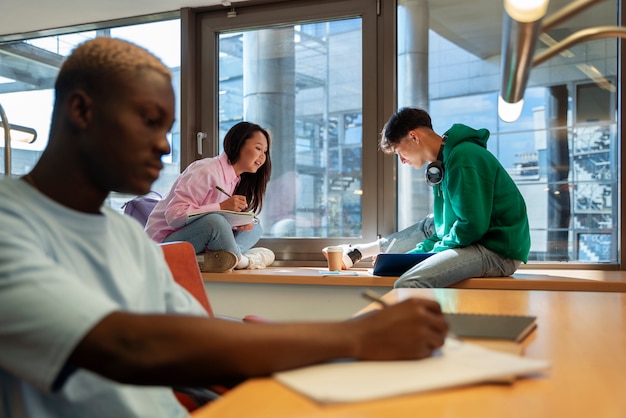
102 63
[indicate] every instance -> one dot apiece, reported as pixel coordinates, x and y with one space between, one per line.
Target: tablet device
396 264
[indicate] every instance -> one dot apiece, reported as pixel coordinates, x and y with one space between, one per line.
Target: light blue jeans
406 239
447 267
451 266
212 232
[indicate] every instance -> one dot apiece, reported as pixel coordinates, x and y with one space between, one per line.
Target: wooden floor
524 279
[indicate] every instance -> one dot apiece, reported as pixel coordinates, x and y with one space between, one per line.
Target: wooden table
582 334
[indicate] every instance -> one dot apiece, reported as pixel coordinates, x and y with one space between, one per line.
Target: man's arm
174 350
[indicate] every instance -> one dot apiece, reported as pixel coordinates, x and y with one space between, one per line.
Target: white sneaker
351 256
259 258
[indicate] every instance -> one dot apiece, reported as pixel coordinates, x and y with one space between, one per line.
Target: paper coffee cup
335 255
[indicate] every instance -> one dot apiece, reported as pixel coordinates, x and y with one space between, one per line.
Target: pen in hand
223 191
255 219
373 297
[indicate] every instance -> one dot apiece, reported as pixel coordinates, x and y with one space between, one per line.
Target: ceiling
27 16
475 25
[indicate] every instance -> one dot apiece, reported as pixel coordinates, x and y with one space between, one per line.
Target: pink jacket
193 191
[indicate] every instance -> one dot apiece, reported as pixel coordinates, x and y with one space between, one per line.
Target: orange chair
181 259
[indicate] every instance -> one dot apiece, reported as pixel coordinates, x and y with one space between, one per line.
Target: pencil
223 191
372 296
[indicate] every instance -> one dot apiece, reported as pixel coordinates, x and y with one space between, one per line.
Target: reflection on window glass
566 173
562 152
27 82
303 83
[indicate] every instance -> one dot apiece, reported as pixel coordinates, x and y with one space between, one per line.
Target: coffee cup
335 256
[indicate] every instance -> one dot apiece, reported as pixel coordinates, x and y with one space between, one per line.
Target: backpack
141 206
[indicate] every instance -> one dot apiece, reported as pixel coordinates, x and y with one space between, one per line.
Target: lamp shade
521 28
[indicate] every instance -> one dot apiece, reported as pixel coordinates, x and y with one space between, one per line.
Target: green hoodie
477 202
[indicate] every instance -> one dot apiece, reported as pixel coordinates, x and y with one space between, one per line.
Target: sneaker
219 261
351 256
259 258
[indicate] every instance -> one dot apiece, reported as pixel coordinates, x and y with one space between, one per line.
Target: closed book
485 326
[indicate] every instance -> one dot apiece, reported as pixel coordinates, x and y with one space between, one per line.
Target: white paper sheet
456 364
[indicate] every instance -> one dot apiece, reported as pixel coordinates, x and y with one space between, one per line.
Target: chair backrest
141 206
181 259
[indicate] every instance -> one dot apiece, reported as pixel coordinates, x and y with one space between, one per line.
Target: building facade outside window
26 88
308 82
562 152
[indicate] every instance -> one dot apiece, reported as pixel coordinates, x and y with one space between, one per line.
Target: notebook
396 264
456 364
234 218
485 326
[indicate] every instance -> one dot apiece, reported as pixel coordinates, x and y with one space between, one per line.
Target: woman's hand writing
236 203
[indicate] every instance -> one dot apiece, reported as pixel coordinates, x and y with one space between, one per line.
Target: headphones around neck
434 171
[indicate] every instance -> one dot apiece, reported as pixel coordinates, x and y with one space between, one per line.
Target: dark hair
251 185
399 125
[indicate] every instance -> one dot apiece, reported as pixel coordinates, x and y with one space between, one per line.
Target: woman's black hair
251 185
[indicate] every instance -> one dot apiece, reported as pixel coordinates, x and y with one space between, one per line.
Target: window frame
200 75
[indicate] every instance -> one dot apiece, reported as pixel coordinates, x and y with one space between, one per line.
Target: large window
562 152
323 76
312 84
304 83
29 67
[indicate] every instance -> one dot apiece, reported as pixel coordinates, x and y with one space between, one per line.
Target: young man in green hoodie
480 219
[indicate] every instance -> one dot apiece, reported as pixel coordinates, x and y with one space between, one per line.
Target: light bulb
509 112
526 10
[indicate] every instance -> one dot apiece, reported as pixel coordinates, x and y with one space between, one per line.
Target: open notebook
234 218
456 364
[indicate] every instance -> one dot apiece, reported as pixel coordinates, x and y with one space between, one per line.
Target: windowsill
523 279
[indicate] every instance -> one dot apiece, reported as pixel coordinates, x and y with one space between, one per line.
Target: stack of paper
456 364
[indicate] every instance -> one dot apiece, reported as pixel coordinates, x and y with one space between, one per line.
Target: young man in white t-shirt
91 322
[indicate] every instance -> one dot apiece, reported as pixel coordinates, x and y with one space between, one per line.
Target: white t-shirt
61 272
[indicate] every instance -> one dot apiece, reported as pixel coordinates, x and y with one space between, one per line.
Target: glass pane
562 152
303 83
27 96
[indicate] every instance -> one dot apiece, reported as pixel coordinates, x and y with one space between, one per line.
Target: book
457 363
388 264
493 327
234 218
